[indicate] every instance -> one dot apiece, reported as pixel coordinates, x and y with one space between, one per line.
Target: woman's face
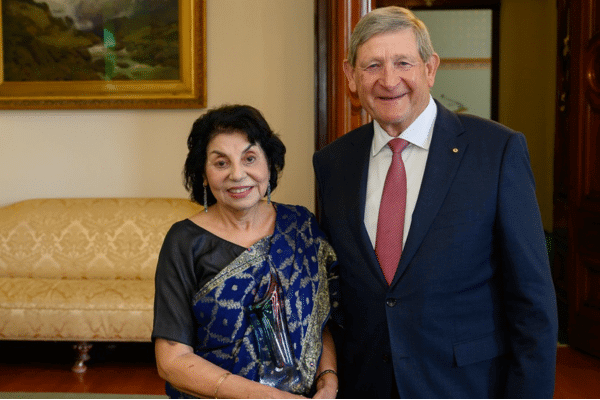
236 171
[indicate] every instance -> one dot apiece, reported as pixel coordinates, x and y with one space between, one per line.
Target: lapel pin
455 150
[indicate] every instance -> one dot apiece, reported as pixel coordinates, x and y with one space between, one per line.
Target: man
469 309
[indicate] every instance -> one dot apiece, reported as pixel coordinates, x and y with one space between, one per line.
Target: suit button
386 358
390 302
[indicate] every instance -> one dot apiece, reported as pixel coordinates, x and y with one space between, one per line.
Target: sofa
82 269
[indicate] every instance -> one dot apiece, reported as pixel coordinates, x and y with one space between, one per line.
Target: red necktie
390 224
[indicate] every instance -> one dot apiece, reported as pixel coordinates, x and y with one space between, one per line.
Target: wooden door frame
582 186
337 110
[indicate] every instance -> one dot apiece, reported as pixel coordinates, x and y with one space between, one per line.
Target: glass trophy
278 367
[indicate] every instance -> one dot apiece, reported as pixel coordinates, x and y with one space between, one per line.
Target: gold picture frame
188 90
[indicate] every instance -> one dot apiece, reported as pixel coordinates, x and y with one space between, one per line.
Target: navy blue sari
300 257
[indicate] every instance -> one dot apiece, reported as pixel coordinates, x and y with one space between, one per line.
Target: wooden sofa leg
83 349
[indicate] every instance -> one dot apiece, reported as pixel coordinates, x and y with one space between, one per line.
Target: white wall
462 34
258 52
528 87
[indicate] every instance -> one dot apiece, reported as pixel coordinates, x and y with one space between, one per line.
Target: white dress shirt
414 157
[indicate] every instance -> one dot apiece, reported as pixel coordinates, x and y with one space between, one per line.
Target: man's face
391 80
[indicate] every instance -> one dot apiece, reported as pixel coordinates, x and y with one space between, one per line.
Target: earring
205 200
269 193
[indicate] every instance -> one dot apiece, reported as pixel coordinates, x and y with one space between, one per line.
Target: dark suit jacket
471 312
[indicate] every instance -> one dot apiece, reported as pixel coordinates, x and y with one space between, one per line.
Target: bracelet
221 379
327 371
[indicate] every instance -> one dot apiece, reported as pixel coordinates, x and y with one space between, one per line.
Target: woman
241 288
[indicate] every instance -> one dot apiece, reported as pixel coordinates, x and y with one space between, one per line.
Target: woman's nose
237 172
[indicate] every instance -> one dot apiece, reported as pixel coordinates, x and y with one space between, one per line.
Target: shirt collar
418 133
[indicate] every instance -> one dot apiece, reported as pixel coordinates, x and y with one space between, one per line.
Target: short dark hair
228 119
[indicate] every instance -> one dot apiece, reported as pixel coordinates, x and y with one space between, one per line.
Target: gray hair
386 20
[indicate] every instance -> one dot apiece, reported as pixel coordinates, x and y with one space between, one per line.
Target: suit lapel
445 153
356 182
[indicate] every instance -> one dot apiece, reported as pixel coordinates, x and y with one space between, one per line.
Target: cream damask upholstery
82 269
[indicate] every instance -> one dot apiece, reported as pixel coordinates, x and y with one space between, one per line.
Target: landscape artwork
90 40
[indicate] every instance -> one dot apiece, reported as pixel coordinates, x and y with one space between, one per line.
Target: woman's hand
194 375
325 394
327 380
326 387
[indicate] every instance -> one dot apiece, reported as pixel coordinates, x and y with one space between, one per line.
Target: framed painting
94 54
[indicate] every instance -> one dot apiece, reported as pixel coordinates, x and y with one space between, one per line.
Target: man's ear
431 67
349 72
